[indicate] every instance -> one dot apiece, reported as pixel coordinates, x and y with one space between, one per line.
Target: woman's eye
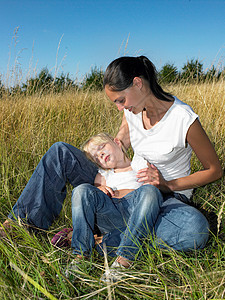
120 101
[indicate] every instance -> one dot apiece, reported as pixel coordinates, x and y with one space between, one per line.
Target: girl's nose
100 154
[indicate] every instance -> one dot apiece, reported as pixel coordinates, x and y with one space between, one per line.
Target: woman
153 119
164 130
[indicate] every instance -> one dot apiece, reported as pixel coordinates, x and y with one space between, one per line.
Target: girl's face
108 155
132 98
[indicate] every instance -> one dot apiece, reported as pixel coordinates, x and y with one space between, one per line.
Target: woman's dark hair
120 73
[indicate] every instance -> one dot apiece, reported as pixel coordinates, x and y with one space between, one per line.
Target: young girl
116 202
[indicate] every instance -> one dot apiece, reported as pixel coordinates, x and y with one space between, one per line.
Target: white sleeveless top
164 145
124 180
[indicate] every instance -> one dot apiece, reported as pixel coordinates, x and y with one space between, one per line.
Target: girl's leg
143 205
91 206
181 226
41 200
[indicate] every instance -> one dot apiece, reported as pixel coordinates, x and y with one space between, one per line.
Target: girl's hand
107 190
151 175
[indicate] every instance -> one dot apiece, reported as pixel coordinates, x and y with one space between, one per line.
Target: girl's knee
149 193
83 193
82 189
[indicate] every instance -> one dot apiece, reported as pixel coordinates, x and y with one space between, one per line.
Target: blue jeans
42 199
133 216
179 225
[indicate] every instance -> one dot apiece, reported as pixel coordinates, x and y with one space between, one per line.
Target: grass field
29 264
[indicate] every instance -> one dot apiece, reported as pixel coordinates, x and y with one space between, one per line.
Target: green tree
215 73
1 88
63 82
168 73
94 80
39 84
211 74
193 69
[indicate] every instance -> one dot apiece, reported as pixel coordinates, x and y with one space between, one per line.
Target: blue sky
93 33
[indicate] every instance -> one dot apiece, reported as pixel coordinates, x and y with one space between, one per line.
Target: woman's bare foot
98 239
69 237
6 226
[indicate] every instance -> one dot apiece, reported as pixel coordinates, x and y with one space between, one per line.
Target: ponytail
120 73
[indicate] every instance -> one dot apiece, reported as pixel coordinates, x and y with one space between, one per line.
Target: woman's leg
144 206
181 226
91 206
41 200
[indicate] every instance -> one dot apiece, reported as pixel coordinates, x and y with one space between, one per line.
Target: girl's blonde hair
97 140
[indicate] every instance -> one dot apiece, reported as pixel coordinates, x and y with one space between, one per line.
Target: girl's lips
106 158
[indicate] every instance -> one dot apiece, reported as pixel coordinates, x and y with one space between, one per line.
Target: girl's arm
123 133
100 183
204 150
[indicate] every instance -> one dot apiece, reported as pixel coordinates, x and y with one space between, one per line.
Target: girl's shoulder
105 173
138 162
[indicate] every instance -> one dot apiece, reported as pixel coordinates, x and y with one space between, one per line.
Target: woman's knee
198 230
56 153
182 227
64 148
57 146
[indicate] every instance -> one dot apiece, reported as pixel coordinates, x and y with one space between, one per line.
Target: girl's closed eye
101 146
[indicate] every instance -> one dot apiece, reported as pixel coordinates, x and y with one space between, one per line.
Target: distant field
28 127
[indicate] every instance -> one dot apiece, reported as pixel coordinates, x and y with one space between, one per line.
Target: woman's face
132 98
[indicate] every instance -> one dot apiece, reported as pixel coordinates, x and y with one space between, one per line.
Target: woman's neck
154 111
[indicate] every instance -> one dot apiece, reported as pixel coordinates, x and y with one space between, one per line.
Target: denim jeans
124 222
133 216
178 225
42 199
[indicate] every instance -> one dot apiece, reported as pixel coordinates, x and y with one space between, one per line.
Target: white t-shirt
164 145
124 180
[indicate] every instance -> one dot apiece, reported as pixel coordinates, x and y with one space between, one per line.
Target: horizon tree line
192 71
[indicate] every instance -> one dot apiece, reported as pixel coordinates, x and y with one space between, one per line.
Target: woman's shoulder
181 107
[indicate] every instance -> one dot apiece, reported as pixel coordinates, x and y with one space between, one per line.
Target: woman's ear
138 82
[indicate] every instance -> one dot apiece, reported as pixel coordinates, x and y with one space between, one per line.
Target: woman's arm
123 133
204 150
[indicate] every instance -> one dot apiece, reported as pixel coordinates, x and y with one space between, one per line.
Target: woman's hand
107 190
151 175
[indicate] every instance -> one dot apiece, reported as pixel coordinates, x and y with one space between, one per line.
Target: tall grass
31 267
